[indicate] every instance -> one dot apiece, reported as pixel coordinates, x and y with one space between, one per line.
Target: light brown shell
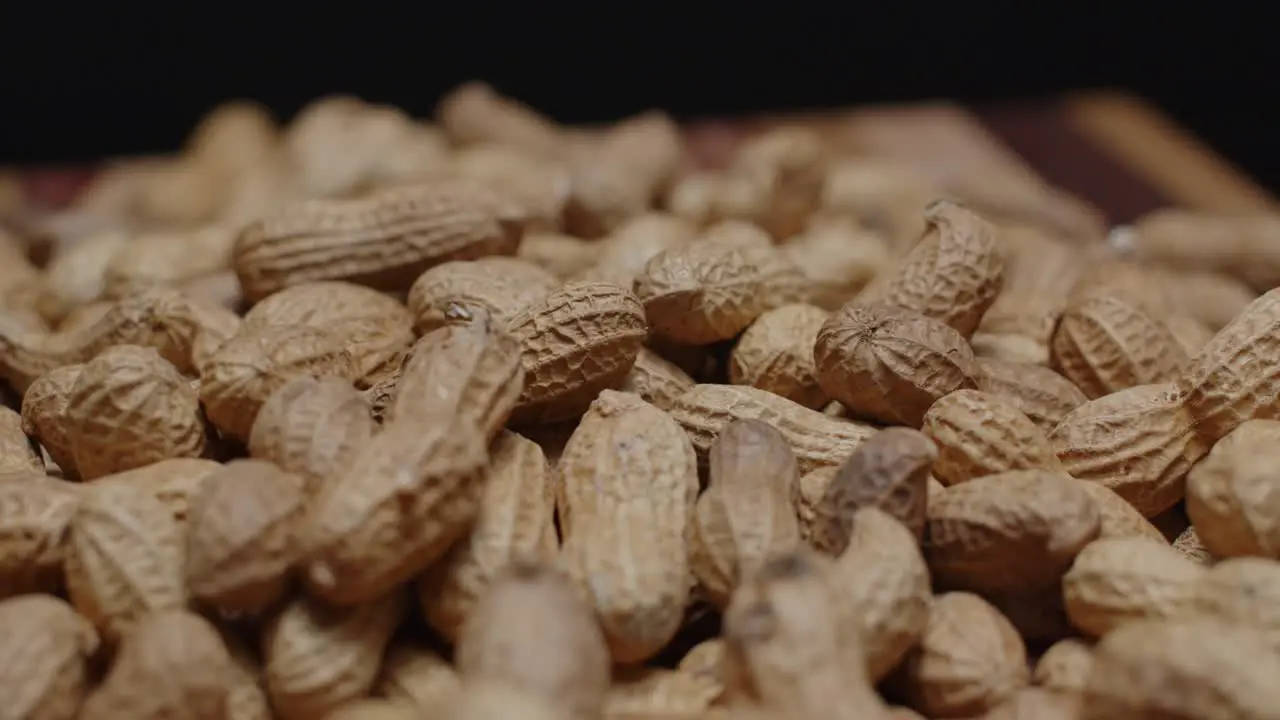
561 255
1231 498
579 340
980 434
44 649
44 408
655 379
1104 345
649 692
17 452
838 258
629 472
1041 394
1065 666
242 375
891 365
173 482
624 252
776 354
1118 580
1245 590
474 112
417 677
383 240
476 291
35 515
129 408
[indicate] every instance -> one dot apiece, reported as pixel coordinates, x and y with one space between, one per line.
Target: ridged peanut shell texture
35 513
1104 344
44 407
579 340
1012 531
44 651
129 408
375 328
629 482
891 365
1041 394
243 536
776 354
383 240
979 434
711 290
242 375
747 514
954 273
478 291
1231 494
516 521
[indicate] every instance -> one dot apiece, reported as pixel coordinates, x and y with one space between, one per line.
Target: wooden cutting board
1112 150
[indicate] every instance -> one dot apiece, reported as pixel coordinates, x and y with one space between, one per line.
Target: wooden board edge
1166 155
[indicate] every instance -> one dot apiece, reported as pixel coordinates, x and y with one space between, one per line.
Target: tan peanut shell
970 659
889 471
394 507
318 657
954 272
1104 344
246 694
418 678
474 112
44 651
488 700
660 692
1015 530
882 584
472 374
376 329
746 515
891 365
477 291
624 252
1238 245
383 240
1038 392
1243 590
125 555
173 664
533 632
243 536
1195 667
1189 544
980 434
1230 494
309 425
540 188
655 379
1065 666
242 375
705 659
776 354
712 290
516 521
1212 299
579 340
1038 703
129 408
816 439
35 515
629 481
1121 579
371 709
174 483
1118 517
564 256
1191 334
76 276
167 259
44 407
1019 328
1140 442
837 258
17 452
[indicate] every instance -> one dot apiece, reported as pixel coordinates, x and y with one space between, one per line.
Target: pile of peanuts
368 417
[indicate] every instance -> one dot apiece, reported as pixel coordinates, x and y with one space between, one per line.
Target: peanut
1065 666
44 651
1104 345
476 291
1230 495
1117 580
17 452
1041 394
656 380
775 353
34 519
44 407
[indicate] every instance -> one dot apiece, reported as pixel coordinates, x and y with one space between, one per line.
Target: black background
78 82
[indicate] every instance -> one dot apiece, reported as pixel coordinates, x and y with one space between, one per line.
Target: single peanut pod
1241 246
1104 345
17 452
475 291
954 272
1015 530
309 425
1118 517
393 508
561 255
129 408
1214 391
243 374
882 583
659 692
579 340
174 483
383 240
709 291
125 555
516 521
816 439
789 648
1118 580
629 471
44 408
1196 668
1230 495
889 471
1065 666
418 678
318 657
34 517
776 354
471 374
838 258
746 515
737 233
656 380
1140 442
1041 394
242 537
979 434
970 659
375 329
533 632
891 365
781 173
44 651
474 113
181 661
